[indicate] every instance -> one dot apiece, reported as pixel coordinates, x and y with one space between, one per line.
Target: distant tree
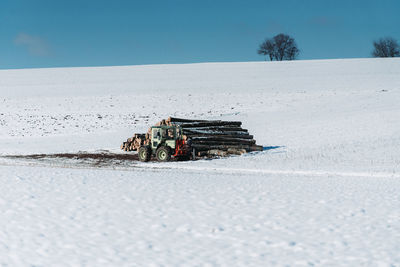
386 47
267 48
280 47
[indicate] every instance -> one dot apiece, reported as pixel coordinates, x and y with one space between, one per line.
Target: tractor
165 142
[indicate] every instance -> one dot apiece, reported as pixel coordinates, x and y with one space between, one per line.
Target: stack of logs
133 143
207 137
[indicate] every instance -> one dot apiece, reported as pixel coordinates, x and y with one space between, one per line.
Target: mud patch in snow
89 159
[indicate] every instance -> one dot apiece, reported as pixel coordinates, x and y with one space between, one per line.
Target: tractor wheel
144 153
163 154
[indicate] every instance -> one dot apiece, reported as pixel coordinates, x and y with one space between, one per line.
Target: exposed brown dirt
80 156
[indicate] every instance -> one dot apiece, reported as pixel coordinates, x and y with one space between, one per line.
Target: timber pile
133 143
216 137
207 137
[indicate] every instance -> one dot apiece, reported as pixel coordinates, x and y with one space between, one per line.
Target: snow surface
324 192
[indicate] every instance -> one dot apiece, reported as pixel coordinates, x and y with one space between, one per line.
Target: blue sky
58 33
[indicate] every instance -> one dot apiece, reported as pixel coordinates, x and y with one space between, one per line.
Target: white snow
324 192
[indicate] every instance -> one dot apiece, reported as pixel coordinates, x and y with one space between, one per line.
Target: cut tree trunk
218 135
256 148
248 143
172 119
202 132
221 138
225 128
205 124
219 147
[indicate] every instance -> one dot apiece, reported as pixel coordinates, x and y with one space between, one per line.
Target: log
225 128
139 135
204 124
221 138
218 135
160 123
189 121
234 151
202 132
217 152
172 119
248 143
219 147
256 148
202 153
212 153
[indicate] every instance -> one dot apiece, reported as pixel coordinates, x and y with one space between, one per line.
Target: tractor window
156 134
170 134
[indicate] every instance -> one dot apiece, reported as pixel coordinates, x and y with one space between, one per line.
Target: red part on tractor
182 149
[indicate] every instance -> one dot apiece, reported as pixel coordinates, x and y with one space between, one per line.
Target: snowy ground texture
326 190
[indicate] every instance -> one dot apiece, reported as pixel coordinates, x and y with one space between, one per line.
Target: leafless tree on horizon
386 47
280 47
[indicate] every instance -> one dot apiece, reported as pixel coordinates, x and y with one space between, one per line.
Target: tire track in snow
158 167
280 172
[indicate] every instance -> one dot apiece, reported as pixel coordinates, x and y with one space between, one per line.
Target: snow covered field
324 192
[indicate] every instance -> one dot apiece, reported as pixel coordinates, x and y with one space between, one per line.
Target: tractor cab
164 135
165 141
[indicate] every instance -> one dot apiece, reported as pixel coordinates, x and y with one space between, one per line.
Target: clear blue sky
56 33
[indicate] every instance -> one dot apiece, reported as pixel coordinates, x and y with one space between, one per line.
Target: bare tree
386 47
267 48
280 47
